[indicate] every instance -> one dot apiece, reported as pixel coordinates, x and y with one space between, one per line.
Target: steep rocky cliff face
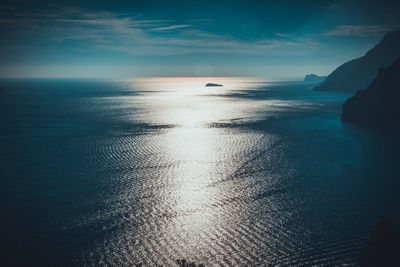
378 106
358 73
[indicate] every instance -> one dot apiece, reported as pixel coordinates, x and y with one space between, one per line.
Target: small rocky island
312 78
213 84
377 106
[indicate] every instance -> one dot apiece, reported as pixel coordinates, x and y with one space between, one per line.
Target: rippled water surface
154 170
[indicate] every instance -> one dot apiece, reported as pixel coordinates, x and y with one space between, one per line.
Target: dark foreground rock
378 106
384 248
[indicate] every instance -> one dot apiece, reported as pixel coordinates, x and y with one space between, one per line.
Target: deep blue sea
154 170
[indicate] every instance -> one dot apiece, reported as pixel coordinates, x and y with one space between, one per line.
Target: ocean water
149 171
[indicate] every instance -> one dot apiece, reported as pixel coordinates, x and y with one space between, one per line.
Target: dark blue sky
116 39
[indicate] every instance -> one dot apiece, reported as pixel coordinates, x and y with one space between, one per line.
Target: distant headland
312 78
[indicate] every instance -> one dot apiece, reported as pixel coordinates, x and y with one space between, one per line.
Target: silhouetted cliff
358 73
377 106
314 78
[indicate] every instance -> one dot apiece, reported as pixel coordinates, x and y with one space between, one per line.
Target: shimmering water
153 170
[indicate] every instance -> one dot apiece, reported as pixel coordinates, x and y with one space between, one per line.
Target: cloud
131 35
200 20
357 30
285 35
172 27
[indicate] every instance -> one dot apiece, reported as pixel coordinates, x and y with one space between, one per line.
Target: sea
162 171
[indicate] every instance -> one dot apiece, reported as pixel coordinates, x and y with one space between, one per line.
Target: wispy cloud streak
172 27
129 34
357 30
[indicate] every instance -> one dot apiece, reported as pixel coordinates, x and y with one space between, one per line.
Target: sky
123 39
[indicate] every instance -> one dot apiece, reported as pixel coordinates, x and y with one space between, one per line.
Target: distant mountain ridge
358 73
314 78
378 106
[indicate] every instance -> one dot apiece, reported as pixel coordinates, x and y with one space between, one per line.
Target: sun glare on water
187 102
197 150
